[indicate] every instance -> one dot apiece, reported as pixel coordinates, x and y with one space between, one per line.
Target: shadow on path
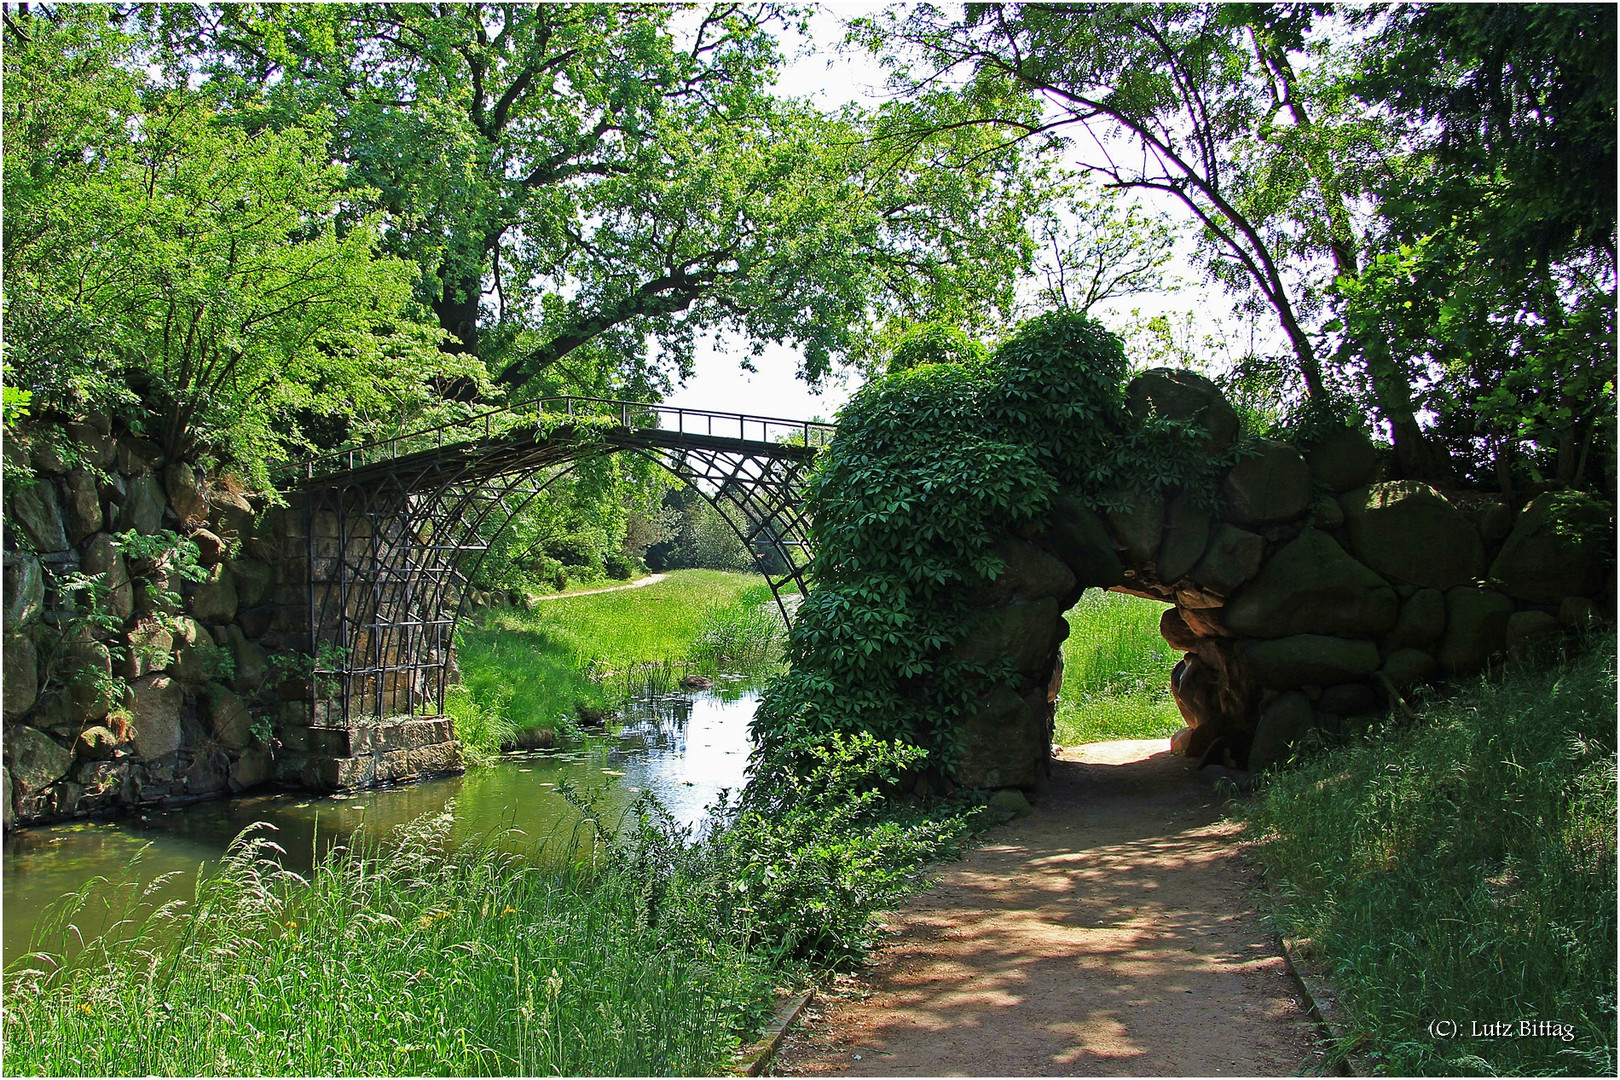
1113 932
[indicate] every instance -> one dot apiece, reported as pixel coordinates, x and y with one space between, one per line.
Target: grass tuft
1462 869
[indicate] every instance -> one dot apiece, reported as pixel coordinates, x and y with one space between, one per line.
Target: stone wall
155 702
1312 600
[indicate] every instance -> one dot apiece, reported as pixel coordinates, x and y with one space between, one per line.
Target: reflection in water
683 750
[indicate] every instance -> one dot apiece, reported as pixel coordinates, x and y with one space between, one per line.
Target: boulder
155 701
214 599
1233 557
1326 513
50 457
1421 622
1273 485
1408 667
1577 613
143 505
1077 536
81 504
251 669
1309 660
1281 722
1409 533
1028 573
1007 804
253 768
92 436
1186 534
1494 520
6 806
24 584
35 510
85 668
101 556
1193 686
180 484
228 719
1205 622
1560 546
36 760
1000 745
1525 628
254 581
96 744
1348 699
1177 394
53 712
1174 629
1181 741
19 675
1476 629
207 773
1136 525
1026 634
150 649
134 455
196 658
1310 586
210 548
1342 459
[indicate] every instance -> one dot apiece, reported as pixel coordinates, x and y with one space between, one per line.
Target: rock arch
1315 597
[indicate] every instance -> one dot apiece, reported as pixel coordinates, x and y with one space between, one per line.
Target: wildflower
84 1007
510 910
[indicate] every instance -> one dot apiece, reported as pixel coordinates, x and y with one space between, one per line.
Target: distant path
1113 932
651 579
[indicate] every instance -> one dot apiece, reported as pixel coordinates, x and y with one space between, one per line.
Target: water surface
683 749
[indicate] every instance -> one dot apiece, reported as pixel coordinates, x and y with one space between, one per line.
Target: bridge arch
395 530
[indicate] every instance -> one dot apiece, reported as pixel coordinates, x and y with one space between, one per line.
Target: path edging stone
752 1059
1322 1003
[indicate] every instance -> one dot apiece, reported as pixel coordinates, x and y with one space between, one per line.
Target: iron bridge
396 529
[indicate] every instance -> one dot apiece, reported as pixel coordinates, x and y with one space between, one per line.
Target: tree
1495 262
589 187
196 274
1265 153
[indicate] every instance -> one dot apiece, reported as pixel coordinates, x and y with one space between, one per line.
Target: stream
683 748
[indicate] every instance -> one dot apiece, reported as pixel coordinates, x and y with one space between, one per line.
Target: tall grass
1462 869
1116 672
415 960
642 951
543 668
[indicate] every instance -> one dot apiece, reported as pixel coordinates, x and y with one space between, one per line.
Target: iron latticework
395 530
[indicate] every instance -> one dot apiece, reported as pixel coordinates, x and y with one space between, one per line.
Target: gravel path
1113 932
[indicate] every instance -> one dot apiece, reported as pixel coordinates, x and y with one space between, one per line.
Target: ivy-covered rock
214 599
1024 634
1000 745
196 658
1077 535
1136 519
102 558
1186 396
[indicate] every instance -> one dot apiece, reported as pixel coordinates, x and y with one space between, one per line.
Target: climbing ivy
932 465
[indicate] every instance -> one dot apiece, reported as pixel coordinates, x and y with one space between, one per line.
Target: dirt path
1113 932
650 579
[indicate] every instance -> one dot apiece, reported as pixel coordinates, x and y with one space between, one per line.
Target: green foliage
929 468
934 343
1463 867
1116 672
194 275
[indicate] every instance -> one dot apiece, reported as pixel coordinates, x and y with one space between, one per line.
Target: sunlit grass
1116 672
1462 868
541 668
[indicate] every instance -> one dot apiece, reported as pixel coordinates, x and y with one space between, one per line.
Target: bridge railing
503 419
